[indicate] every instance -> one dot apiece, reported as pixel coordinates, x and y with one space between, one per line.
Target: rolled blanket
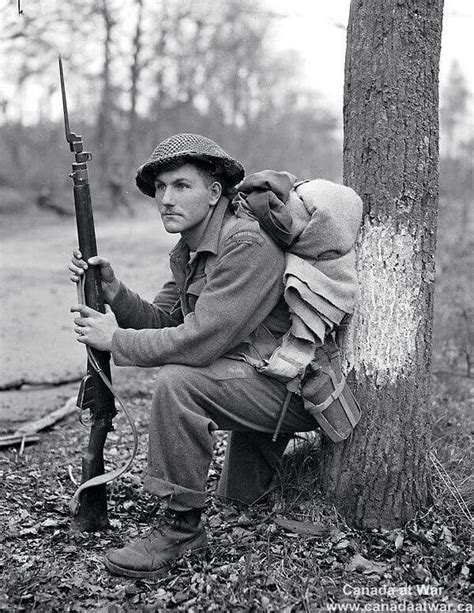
317 222
328 286
335 213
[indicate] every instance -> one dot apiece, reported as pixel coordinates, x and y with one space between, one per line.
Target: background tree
135 73
380 477
105 110
457 146
151 68
455 96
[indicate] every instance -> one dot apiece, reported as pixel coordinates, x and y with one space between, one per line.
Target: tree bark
380 476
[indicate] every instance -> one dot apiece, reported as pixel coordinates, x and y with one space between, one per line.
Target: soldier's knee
176 379
168 377
177 389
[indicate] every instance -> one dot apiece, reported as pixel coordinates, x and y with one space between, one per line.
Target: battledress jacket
225 299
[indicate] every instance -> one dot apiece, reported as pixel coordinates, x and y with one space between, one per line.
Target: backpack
316 224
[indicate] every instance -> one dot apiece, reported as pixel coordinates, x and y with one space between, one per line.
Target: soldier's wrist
111 290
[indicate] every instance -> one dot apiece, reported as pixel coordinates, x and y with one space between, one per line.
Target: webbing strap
338 388
353 419
118 472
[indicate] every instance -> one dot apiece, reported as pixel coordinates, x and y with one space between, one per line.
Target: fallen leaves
399 540
302 527
290 555
368 567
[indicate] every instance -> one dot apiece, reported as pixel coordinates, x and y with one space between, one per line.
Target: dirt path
37 344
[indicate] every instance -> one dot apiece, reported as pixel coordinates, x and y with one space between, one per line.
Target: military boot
153 554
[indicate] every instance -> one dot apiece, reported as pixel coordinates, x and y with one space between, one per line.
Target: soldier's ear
215 192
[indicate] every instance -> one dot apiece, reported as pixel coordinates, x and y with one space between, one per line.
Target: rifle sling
118 472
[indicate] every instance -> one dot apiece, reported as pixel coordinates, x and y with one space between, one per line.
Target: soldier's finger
84 310
81 309
76 269
79 263
98 260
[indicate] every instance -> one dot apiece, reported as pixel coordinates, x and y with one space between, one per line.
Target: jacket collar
210 238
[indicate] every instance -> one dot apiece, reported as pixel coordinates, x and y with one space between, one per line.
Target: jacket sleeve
240 292
132 311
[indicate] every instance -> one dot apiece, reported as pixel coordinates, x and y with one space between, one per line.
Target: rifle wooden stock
92 511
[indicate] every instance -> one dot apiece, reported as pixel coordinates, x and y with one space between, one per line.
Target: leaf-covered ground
291 554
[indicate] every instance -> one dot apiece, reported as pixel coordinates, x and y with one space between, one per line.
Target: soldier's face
185 197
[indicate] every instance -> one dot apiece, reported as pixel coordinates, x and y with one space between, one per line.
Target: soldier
222 311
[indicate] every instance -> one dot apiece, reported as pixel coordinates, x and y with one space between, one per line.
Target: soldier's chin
172 226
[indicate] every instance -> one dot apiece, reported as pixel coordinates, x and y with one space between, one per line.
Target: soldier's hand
78 266
93 328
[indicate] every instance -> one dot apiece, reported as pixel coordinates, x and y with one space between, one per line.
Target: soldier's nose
166 197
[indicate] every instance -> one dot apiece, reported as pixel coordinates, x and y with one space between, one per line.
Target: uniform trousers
190 404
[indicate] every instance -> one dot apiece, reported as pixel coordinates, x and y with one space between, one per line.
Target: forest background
138 71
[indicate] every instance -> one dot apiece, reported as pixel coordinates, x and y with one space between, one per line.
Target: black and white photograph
237 340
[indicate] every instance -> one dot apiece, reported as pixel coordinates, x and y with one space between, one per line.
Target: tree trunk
105 105
380 477
135 70
166 26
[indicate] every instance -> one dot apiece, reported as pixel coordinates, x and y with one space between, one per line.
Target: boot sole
199 552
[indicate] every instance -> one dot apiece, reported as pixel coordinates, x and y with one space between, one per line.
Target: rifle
95 394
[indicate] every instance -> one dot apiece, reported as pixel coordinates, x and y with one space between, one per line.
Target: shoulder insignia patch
246 237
